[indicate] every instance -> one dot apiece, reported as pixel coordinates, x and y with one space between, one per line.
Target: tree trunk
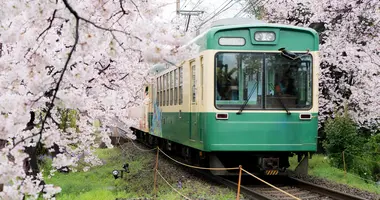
2 145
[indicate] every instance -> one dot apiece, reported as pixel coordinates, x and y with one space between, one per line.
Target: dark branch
122 8
109 29
51 22
102 70
50 105
137 8
124 76
108 87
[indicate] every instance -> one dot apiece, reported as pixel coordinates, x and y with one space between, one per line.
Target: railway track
252 189
256 190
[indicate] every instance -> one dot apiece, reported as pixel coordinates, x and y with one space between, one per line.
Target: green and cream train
248 97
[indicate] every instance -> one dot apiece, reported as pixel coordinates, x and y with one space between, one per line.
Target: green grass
319 167
99 184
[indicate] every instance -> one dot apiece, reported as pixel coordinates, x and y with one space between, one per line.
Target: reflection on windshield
239 76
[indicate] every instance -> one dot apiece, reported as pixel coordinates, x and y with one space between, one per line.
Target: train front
263 99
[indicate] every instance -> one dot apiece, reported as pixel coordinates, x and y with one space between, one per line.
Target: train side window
171 88
194 83
180 85
202 74
175 86
157 91
164 91
167 88
160 90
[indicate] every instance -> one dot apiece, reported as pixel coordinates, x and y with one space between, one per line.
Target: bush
362 151
372 156
341 135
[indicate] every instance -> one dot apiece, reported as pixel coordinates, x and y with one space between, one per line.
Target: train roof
290 37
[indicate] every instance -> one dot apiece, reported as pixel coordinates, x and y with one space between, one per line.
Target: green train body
228 102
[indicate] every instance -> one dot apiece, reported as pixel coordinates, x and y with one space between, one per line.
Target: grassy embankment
319 167
99 184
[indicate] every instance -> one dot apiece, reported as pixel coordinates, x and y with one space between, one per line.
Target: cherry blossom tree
350 55
90 57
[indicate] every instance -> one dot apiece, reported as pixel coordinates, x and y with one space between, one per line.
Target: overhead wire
218 13
184 4
216 9
249 5
197 4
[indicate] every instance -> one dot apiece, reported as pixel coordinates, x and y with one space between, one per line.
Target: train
248 96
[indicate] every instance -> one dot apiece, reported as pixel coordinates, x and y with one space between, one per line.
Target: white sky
209 6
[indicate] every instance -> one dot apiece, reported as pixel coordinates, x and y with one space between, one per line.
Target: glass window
175 86
167 88
180 86
171 87
240 80
164 90
158 92
160 82
194 82
288 82
202 74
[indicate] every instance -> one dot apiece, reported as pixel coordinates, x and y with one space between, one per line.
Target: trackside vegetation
356 151
98 182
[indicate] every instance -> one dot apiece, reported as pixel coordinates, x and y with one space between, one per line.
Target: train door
193 103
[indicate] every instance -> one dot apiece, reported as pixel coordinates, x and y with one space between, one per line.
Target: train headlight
262 36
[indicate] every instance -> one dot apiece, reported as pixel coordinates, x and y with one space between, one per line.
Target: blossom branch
51 22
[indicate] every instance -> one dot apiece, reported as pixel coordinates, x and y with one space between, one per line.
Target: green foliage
98 182
68 118
361 150
371 156
341 136
319 166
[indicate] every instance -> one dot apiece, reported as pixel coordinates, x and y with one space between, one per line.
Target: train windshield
262 81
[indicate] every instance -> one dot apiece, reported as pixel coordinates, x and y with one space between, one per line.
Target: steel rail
323 190
244 190
250 192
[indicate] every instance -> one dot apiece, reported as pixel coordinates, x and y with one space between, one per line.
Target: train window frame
193 75
161 90
180 88
176 83
157 91
202 77
171 87
164 90
263 82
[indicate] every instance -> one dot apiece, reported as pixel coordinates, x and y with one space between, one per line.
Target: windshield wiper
283 105
246 101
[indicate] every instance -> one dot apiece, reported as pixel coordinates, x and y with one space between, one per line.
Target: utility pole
188 13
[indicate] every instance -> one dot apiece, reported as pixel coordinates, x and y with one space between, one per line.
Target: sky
209 6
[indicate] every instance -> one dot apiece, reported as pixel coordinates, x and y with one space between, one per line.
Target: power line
184 4
219 12
244 8
249 5
216 9
197 4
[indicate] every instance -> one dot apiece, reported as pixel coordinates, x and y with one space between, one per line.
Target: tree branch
51 104
137 8
51 22
124 77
